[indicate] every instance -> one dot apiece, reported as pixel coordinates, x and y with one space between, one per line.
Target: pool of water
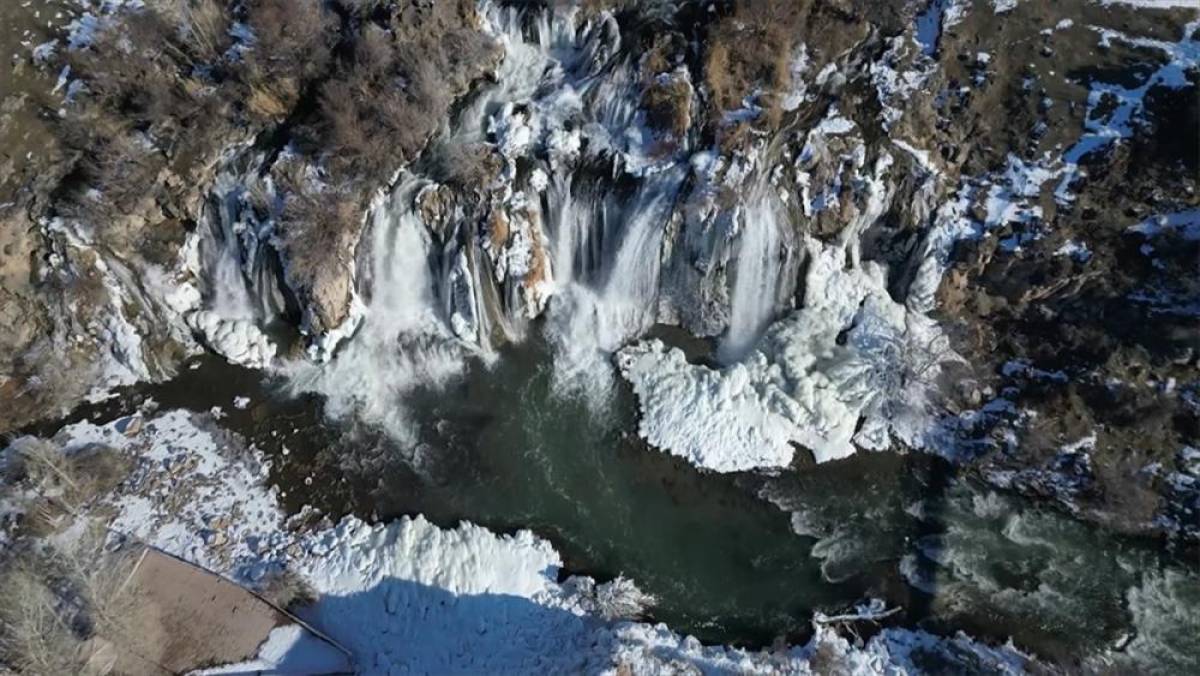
742 559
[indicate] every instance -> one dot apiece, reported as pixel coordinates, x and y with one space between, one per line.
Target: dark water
721 553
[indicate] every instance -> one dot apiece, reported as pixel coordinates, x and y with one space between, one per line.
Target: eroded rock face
664 164
102 214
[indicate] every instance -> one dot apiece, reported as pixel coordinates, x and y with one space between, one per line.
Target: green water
720 552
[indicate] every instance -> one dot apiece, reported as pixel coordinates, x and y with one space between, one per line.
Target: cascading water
572 226
591 320
240 292
242 284
403 340
758 276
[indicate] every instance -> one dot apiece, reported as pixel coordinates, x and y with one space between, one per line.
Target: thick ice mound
850 368
238 340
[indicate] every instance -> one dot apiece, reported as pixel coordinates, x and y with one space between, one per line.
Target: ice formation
850 367
238 340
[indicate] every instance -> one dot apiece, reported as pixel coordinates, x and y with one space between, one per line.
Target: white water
241 285
756 283
591 320
403 341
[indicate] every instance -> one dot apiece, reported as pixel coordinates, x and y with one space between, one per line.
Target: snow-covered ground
409 596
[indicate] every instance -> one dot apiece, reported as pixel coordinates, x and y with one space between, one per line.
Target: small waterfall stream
758 275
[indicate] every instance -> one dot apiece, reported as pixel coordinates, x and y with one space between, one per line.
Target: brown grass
750 50
56 600
668 105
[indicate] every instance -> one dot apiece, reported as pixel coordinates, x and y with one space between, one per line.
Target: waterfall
239 289
241 283
758 275
590 320
404 341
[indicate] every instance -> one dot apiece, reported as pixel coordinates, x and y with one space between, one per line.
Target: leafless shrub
361 7
378 113
56 600
750 50
45 467
621 599
668 104
293 45
34 637
827 658
317 222
202 26
468 166
68 481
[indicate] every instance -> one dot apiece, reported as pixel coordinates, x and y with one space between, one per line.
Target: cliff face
122 123
962 226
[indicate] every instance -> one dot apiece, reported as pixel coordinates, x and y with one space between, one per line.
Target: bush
750 50
317 223
293 44
66 482
379 111
667 101
469 166
57 600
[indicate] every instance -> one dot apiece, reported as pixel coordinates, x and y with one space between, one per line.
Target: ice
849 368
238 340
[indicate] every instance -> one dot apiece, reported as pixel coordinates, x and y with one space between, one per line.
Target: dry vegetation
287 589
749 52
59 602
358 86
467 166
61 483
59 598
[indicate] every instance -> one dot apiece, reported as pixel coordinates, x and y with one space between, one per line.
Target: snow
1076 250
1186 224
1125 106
289 649
719 420
929 26
190 499
894 84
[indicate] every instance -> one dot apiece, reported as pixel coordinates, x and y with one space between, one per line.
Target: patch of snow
191 500
1076 250
1186 224
290 649
1113 109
